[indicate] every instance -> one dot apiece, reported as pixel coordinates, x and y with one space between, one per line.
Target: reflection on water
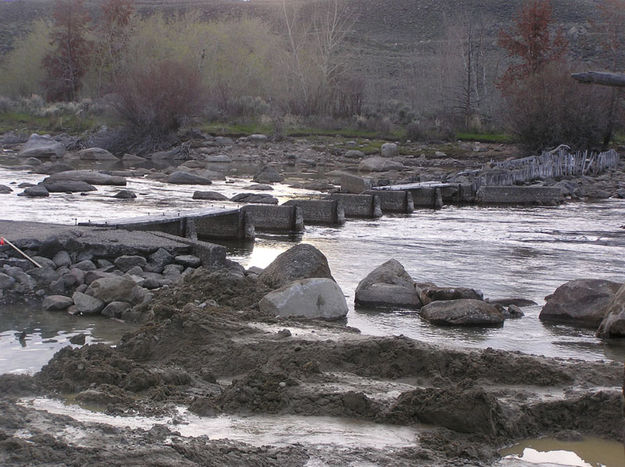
504 252
585 453
29 337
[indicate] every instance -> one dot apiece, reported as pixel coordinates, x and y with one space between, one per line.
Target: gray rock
210 195
87 304
613 324
68 186
5 190
433 294
389 150
6 281
44 262
173 270
188 261
354 154
128 159
135 271
513 312
96 154
62 258
259 187
354 184
91 276
388 285
115 309
42 147
50 168
268 175
44 275
129 261
86 265
254 198
580 302
308 298
37 191
57 303
78 339
219 158
125 194
223 141
112 289
185 178
257 138
302 261
88 176
463 312
379 164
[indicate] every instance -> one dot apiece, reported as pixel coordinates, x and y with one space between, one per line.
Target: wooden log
601 78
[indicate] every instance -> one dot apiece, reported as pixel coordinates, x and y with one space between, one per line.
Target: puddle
589 452
257 430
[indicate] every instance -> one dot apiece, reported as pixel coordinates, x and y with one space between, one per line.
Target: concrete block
523 195
363 205
395 201
284 219
320 211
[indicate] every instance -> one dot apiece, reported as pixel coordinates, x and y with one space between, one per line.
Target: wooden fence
549 165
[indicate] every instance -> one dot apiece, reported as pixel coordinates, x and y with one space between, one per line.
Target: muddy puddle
257 430
589 452
29 337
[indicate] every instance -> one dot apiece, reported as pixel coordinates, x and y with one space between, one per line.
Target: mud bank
207 348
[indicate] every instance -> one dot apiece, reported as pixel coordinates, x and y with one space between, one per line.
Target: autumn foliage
67 63
531 43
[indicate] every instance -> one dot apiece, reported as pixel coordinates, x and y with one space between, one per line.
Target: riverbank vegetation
293 71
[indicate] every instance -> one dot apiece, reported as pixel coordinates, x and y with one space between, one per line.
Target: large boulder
96 154
463 312
268 175
254 198
67 186
303 261
210 195
308 298
186 178
389 150
379 164
112 289
388 285
581 302
87 304
89 176
37 191
42 147
613 324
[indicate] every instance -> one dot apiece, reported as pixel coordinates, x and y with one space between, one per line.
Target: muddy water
257 430
549 451
504 252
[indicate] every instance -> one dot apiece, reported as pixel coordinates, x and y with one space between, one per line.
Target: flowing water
504 252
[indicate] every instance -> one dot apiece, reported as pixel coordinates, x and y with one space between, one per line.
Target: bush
550 108
154 101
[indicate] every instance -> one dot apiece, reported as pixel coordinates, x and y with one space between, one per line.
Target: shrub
550 108
155 100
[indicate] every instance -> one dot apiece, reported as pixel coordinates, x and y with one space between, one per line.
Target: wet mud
205 346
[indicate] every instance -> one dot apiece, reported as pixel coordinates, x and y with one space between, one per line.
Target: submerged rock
37 191
303 261
254 198
463 312
186 178
308 298
581 302
388 285
210 195
89 176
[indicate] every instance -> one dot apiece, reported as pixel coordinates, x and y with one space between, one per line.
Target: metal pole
4 240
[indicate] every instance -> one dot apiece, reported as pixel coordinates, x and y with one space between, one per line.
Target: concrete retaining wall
395 201
427 197
519 195
320 211
236 225
364 205
285 219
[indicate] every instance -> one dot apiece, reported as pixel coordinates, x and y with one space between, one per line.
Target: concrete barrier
320 211
270 218
364 205
354 184
209 253
523 195
214 223
395 201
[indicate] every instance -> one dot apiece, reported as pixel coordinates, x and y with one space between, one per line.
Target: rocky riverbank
209 348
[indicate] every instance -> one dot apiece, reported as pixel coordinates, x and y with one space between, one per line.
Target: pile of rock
81 282
390 286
